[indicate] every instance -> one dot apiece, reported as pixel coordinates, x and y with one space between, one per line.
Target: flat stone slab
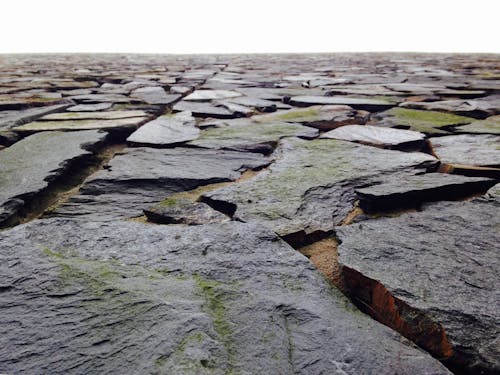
142 177
375 135
468 108
249 136
184 211
205 110
310 187
491 125
129 297
367 104
464 149
155 95
433 276
109 115
29 166
324 117
428 122
37 126
12 118
166 130
90 107
412 190
207 95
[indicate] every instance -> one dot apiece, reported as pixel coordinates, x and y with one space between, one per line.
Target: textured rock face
429 122
311 185
161 240
411 190
29 166
250 136
376 135
199 300
166 130
145 176
478 150
442 287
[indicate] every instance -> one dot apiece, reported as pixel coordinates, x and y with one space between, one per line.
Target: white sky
246 26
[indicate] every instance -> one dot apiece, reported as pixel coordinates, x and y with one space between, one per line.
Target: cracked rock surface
249 214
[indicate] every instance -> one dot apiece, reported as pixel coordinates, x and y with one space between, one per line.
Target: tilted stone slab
29 166
429 122
155 95
324 117
310 187
109 115
166 130
375 135
246 135
432 275
128 297
491 125
37 126
141 177
207 95
408 190
366 104
468 108
464 149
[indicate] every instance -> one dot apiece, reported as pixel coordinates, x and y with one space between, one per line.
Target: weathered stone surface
260 104
324 117
184 211
207 95
442 285
131 297
249 136
366 104
109 115
429 122
478 150
166 130
408 190
205 110
491 125
30 165
468 108
142 177
311 185
90 107
155 95
103 98
38 126
375 135
13 118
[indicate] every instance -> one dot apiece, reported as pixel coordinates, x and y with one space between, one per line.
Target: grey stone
433 276
142 177
127 297
491 125
38 126
246 135
155 95
379 136
367 104
90 107
108 115
259 104
476 150
20 117
311 185
207 95
403 191
166 130
205 110
183 211
428 122
29 167
468 108
324 117
103 98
